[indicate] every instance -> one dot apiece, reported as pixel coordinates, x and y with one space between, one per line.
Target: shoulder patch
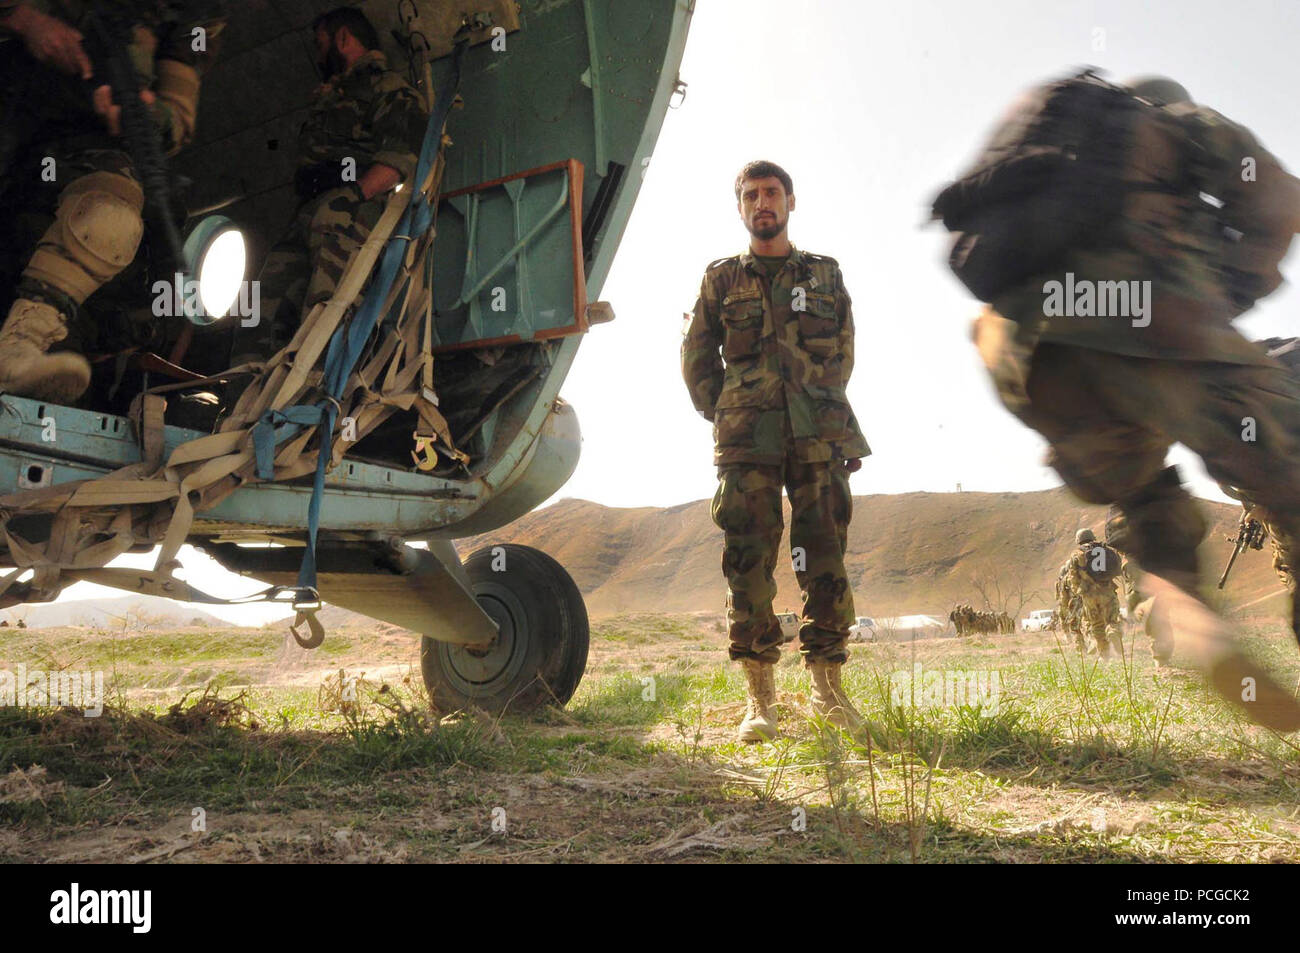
822 258
731 259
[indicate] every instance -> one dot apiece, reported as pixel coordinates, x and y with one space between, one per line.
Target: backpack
1049 181
1102 566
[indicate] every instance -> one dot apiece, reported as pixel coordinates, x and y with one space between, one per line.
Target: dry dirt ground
236 746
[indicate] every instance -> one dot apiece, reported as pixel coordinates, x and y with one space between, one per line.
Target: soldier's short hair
761 169
356 22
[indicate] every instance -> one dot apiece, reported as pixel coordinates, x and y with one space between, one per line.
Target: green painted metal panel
588 81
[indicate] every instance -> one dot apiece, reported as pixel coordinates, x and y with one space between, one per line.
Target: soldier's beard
770 228
332 65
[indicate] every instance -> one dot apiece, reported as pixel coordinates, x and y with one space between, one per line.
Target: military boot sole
60 378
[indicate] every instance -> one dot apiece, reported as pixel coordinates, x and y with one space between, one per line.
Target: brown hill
907 553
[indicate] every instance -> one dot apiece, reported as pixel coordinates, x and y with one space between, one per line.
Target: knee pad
95 235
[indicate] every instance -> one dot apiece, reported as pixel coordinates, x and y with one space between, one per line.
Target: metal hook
424 445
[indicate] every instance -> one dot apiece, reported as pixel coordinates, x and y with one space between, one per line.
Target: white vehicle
863 630
1038 620
789 625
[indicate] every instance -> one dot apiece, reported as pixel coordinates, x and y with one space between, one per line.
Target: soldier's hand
854 465
110 112
51 41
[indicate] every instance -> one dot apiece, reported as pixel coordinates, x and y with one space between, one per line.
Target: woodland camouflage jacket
768 360
370 114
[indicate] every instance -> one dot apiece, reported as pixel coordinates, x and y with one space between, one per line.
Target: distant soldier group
969 621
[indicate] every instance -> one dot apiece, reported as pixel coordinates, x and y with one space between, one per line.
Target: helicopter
419 406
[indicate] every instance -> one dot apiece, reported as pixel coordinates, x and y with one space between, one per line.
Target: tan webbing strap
152 502
147 412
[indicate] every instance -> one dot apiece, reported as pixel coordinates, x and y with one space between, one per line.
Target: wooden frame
574 170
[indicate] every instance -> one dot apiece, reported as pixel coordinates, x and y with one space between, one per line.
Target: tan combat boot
25 369
760 713
829 699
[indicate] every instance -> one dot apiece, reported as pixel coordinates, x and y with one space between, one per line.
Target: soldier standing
73 200
360 140
766 357
1110 394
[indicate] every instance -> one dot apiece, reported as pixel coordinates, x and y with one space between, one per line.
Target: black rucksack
1051 180
1101 562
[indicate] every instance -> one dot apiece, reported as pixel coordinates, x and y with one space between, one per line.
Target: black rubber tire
541 654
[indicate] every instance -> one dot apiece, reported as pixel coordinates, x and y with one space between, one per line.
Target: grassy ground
235 746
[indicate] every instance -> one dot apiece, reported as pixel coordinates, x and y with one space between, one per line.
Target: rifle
111 33
1250 534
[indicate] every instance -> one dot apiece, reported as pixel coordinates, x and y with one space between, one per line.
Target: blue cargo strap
348 341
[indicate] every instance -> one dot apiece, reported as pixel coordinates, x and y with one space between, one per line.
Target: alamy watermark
22 688
946 688
75 905
1098 299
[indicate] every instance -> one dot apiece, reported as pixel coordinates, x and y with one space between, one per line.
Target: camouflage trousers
747 508
1285 546
1099 618
1071 613
1110 419
303 268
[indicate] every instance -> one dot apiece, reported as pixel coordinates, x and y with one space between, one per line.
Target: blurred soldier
1113 284
1138 604
766 357
360 141
1283 548
71 216
1286 351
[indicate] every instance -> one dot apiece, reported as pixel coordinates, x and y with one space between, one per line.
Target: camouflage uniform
767 360
48 115
1281 546
1110 398
1068 606
368 115
1098 602
1285 548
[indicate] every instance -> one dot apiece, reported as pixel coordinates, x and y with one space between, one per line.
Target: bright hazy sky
871 107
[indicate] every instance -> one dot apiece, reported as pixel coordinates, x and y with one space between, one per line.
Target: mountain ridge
908 553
